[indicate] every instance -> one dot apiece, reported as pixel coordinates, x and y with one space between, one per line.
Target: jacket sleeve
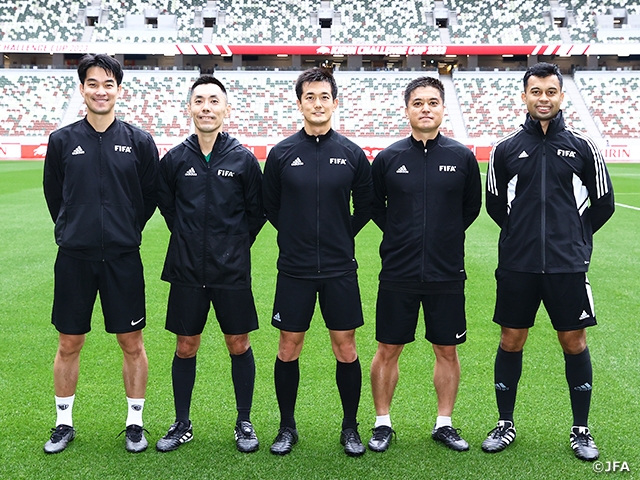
272 188
53 177
148 179
361 194
598 182
253 197
379 210
472 201
166 191
496 191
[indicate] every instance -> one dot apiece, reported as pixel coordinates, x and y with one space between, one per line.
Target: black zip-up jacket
308 183
100 188
549 194
213 210
426 196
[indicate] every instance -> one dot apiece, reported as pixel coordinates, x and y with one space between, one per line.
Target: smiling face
543 97
100 91
317 106
425 111
208 108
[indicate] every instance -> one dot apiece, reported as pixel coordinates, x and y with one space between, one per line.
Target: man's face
100 91
317 104
543 97
425 110
208 108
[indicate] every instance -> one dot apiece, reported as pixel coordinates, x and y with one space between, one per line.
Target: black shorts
188 309
121 285
566 296
339 299
397 312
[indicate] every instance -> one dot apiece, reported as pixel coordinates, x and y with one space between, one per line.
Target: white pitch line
626 206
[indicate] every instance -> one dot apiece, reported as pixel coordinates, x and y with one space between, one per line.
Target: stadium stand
391 21
155 102
372 105
506 21
270 21
613 101
585 12
584 29
289 21
50 21
116 28
263 102
491 104
33 103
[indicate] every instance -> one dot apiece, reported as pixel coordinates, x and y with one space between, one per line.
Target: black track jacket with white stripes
426 196
213 210
549 194
100 188
308 184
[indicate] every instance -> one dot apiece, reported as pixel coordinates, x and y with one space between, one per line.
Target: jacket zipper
204 231
318 201
543 207
424 216
101 197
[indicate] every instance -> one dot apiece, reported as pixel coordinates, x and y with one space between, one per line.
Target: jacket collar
320 138
430 143
221 144
555 125
92 131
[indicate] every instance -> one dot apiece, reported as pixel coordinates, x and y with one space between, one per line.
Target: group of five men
547 188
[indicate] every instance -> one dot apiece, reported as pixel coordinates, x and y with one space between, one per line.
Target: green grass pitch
27 252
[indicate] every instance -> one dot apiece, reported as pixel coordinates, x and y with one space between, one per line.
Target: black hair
100 60
423 82
542 70
205 80
316 74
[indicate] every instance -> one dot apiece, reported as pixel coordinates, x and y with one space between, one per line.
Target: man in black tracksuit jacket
100 187
310 179
211 198
548 189
427 193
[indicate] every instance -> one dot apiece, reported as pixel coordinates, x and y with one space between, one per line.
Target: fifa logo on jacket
447 168
225 173
122 148
566 153
337 161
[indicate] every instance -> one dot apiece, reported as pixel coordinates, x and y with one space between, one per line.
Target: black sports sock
287 379
579 375
507 371
183 376
349 381
243 375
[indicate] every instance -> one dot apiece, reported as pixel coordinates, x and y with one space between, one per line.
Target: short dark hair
542 70
204 80
100 60
317 74
423 82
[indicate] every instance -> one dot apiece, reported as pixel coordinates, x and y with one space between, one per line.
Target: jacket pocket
121 226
